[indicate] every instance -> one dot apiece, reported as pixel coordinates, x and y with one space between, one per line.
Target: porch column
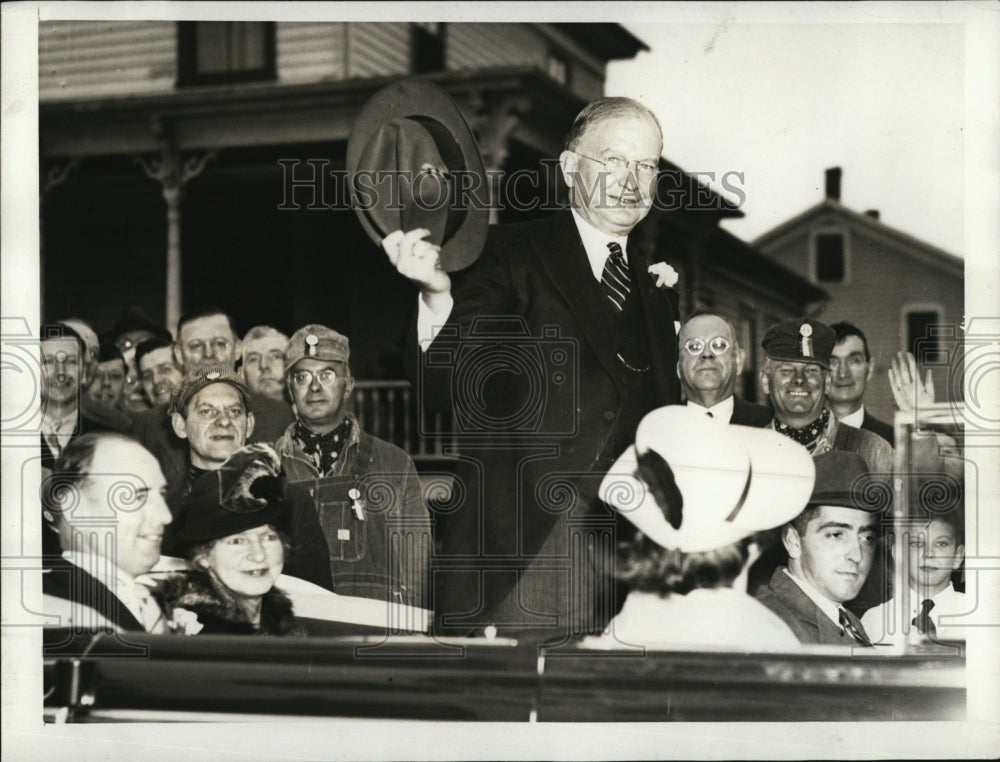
172 171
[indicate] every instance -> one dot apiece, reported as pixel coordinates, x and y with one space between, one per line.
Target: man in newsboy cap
365 491
211 413
795 376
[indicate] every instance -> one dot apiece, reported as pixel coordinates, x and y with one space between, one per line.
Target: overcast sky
782 102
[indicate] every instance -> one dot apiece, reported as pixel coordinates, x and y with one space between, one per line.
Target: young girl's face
934 554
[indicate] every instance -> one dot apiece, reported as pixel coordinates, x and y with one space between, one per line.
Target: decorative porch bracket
496 118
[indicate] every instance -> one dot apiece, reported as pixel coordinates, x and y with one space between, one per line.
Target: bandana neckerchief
322 449
807 435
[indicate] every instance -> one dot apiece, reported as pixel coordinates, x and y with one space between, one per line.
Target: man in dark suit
554 344
709 360
851 369
65 374
107 494
830 548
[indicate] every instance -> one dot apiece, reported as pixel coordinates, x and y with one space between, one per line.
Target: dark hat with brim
246 492
843 479
410 157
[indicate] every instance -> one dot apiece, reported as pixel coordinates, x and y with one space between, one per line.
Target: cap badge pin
806 330
311 341
357 504
212 375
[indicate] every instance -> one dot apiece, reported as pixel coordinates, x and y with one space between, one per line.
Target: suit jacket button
609 415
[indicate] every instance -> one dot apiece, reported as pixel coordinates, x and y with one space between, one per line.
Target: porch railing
389 411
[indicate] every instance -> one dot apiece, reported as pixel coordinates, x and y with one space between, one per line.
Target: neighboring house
191 162
903 293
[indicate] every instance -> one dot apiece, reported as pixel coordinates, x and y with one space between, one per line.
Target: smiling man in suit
581 344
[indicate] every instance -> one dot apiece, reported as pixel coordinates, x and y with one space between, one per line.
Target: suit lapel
565 261
808 612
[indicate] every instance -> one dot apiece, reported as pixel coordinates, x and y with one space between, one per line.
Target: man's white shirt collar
722 412
596 244
133 595
855 419
828 607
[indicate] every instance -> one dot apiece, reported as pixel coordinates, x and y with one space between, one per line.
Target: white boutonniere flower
185 622
665 275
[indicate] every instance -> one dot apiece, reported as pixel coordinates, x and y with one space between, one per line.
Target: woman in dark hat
231 530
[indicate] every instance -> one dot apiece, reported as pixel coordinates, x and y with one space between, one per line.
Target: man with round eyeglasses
709 362
576 276
365 491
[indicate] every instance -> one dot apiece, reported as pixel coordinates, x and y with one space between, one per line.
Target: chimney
873 213
833 183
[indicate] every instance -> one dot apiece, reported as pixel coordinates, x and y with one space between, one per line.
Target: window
557 68
427 47
923 333
214 52
831 261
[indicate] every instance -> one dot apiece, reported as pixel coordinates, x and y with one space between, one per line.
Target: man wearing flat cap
365 492
575 277
830 546
211 414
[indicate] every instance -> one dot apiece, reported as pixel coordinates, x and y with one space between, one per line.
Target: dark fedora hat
246 492
406 156
843 479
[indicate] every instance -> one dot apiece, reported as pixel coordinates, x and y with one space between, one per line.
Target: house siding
311 52
883 279
79 59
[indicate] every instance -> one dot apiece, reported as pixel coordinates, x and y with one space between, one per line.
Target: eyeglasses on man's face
303 377
719 345
619 165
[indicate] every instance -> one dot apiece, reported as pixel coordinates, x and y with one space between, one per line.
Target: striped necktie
923 621
852 629
615 279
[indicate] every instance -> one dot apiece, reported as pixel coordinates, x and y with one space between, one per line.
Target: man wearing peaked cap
574 276
831 547
795 377
364 491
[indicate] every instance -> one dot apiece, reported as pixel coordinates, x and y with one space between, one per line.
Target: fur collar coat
217 610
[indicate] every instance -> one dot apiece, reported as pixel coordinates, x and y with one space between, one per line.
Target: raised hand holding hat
406 155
